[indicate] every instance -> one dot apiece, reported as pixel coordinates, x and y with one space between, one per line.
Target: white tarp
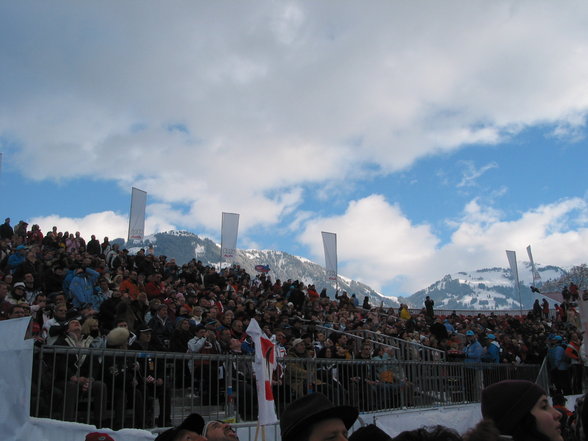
229 232
137 215
459 418
330 247
16 368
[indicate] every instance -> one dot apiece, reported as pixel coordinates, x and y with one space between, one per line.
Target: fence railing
405 350
115 388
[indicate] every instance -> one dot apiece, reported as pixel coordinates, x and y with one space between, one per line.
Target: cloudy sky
430 136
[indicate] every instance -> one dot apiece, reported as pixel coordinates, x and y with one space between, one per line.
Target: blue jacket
492 353
473 352
81 288
556 358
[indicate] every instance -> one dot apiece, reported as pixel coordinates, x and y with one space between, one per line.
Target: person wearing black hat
152 377
314 417
518 409
189 430
370 432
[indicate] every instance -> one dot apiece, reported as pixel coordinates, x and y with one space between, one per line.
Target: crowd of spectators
81 293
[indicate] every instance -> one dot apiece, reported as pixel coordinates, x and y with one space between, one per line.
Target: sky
429 136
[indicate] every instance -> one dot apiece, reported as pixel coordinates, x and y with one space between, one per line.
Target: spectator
122 377
82 287
163 329
93 246
313 416
73 375
6 231
492 350
429 307
518 409
189 430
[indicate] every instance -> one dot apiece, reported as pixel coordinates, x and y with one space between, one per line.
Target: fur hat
117 337
508 402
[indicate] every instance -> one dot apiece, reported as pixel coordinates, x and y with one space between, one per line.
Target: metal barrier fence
145 390
405 350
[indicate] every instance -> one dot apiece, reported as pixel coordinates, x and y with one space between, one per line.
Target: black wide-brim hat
310 409
193 422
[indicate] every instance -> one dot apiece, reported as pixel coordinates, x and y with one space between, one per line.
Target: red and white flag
263 366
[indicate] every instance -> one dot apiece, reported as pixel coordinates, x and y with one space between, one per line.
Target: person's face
548 419
332 429
162 312
122 325
60 312
300 348
227 319
185 325
74 326
218 431
366 351
17 312
145 336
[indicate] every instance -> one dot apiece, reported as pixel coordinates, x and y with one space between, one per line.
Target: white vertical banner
536 276
137 215
263 366
512 260
330 246
229 232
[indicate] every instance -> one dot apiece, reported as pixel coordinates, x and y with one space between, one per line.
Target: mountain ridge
486 288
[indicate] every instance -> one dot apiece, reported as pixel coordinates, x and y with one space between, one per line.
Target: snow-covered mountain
185 246
491 288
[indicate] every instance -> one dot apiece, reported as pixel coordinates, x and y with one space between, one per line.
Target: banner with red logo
263 366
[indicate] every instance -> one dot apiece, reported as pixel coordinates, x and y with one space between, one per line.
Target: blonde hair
88 324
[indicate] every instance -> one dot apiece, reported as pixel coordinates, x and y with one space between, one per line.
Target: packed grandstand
140 340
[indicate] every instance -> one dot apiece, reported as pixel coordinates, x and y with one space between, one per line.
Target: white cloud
104 224
471 173
375 241
277 96
377 244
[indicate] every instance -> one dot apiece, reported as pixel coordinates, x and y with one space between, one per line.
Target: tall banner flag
330 246
512 260
263 366
229 231
536 276
137 216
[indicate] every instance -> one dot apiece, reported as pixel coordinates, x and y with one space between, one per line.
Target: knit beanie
508 402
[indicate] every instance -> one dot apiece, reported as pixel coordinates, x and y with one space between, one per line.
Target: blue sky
426 152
